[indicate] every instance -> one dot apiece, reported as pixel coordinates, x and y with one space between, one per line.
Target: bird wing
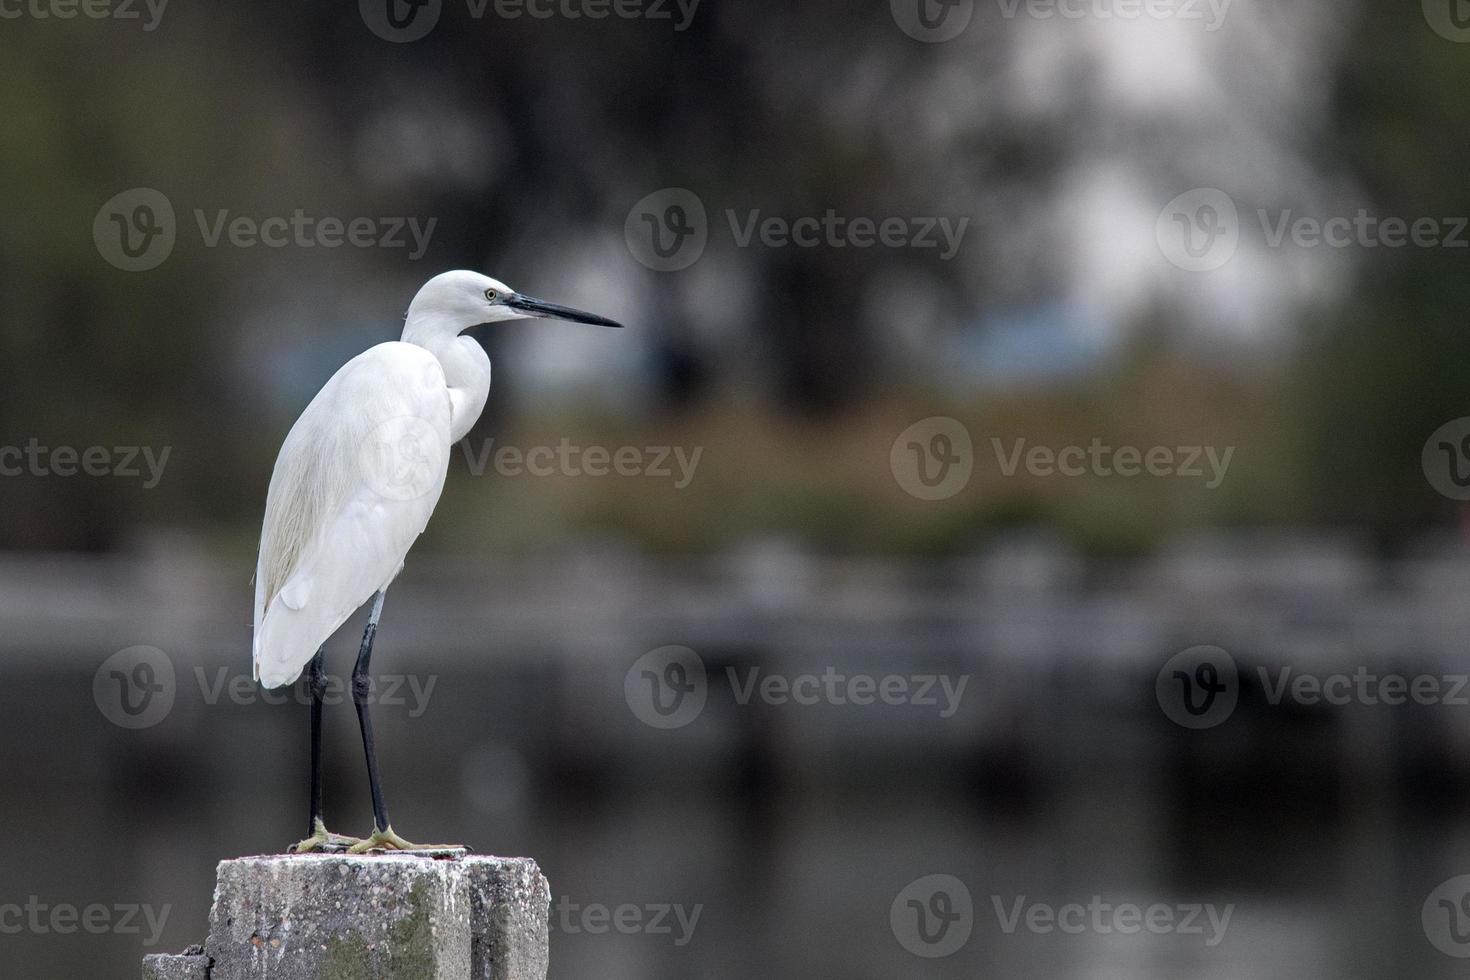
353 488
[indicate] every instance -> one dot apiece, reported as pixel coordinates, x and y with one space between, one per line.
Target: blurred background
879 264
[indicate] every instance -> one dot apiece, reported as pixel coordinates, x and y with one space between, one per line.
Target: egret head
460 300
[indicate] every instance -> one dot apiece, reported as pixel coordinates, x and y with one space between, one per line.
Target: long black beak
540 308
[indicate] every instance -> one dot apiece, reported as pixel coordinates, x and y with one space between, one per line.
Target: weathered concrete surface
371 917
510 905
311 917
184 966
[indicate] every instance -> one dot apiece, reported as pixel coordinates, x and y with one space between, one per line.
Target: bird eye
491 295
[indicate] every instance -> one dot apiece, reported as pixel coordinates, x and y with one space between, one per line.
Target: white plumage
344 506
362 469
354 486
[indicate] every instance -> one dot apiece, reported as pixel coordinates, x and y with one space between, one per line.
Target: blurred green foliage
795 401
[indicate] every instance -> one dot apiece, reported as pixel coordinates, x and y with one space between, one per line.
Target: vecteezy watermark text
404 21
1101 459
35 459
1211 12
1201 230
1105 918
387 690
933 917
831 687
668 230
668 688
936 21
569 459
934 459
1364 686
90 9
138 687
40 918
1200 687
833 230
303 230
136 230
653 919
679 12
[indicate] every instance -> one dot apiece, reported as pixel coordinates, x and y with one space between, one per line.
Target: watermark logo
1446 459
932 21
400 21
135 688
933 459
403 21
1450 19
667 688
404 458
135 230
1446 917
668 230
1199 230
933 916
1198 688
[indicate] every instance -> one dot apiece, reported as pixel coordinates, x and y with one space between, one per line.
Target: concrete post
371 917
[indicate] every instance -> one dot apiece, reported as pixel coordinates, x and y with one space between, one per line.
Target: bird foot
323 841
387 840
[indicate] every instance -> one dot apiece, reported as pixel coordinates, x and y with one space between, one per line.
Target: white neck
466 368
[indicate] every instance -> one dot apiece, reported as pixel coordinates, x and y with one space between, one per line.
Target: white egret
354 486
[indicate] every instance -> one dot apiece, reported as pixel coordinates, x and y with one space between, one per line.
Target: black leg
316 679
361 688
